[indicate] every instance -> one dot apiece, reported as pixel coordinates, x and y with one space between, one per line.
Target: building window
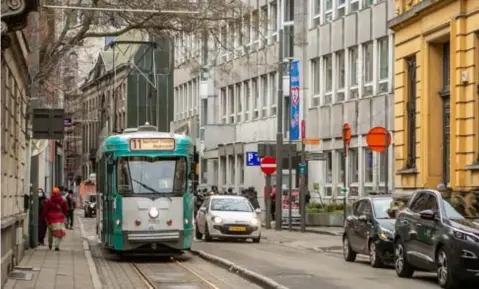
315 77
353 164
223 105
255 24
368 69
247 30
273 16
231 104
341 171
383 168
411 108
239 102
272 92
231 170
353 69
288 10
329 173
341 75
328 11
256 98
288 41
383 52
316 20
264 21
368 165
241 169
341 8
328 72
367 3
286 115
446 112
353 6
264 95
247 99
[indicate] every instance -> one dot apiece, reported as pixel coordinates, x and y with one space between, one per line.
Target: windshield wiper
151 189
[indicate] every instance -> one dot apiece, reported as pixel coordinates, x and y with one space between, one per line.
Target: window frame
328 79
411 111
340 90
353 82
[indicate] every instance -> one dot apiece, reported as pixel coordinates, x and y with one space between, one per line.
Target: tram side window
123 176
180 182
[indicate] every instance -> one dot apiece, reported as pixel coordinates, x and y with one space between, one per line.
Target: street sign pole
279 127
267 196
290 157
346 141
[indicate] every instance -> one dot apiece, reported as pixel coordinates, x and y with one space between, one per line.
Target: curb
251 276
89 259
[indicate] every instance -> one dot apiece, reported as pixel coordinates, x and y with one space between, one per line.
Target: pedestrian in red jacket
54 212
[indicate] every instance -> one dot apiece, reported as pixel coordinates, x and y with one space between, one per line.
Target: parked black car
370 230
89 206
437 232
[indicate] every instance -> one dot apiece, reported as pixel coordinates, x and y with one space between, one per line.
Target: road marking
196 274
89 259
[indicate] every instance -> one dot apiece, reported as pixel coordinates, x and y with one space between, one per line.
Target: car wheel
198 234
348 253
257 240
445 276
207 234
402 266
374 259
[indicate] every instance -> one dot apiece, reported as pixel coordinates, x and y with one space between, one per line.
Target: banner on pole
295 122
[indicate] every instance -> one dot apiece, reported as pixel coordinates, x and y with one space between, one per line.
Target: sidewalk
311 241
332 231
71 267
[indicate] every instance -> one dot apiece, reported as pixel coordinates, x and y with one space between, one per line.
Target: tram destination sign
152 144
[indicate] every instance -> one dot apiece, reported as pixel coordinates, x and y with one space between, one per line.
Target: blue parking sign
252 159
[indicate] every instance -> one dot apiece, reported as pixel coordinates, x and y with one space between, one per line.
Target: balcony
216 134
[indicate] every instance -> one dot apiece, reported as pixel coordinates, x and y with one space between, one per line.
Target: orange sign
311 141
346 133
378 139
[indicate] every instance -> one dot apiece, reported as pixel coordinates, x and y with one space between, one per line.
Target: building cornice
14 14
414 12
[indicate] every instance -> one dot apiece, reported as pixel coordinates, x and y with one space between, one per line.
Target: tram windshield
150 175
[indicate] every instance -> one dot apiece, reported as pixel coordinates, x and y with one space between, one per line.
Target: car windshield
381 207
461 205
231 205
150 175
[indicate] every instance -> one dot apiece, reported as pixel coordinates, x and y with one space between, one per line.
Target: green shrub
334 208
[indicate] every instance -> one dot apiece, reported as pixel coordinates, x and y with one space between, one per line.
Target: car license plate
154 222
237 229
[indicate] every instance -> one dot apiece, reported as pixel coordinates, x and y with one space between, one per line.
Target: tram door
108 199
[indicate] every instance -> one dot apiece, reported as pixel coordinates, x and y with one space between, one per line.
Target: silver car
228 217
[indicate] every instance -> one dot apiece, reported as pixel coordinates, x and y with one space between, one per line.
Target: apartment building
346 76
436 96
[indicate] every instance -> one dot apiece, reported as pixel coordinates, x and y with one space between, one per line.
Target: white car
228 217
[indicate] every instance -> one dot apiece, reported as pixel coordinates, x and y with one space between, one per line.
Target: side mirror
258 211
363 218
427 215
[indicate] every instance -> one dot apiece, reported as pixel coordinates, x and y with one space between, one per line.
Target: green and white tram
144 192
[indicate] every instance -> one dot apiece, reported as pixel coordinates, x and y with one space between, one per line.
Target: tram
144 192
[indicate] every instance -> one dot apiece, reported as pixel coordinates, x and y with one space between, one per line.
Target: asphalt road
297 267
189 272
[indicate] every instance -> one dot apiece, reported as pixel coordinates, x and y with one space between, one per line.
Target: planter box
324 219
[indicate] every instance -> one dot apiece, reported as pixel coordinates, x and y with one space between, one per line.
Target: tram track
175 273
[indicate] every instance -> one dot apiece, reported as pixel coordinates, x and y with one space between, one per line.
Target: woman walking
42 224
54 212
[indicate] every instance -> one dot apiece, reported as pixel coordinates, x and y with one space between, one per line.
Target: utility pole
290 157
35 65
279 134
303 22
267 196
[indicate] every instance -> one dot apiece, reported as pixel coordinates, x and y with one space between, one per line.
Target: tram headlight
187 221
153 213
217 220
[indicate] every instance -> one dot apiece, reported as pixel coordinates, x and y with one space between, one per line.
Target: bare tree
207 25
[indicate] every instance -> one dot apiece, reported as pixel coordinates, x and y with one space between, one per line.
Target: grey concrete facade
345 53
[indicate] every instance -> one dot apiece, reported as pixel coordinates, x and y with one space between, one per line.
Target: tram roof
119 140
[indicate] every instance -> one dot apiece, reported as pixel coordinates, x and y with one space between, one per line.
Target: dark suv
437 232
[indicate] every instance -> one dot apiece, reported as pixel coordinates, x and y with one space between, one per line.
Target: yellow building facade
436 79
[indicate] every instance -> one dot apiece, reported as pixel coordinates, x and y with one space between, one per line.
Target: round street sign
268 165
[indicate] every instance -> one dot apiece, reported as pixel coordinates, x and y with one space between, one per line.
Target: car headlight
153 213
465 236
254 221
217 220
385 235
92 206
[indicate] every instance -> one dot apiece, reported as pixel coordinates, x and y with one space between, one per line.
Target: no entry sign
268 165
